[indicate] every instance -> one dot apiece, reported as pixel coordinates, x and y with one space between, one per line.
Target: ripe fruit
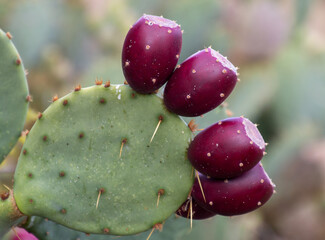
227 149
150 52
200 84
22 234
234 196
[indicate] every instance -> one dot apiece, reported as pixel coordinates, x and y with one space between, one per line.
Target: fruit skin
75 150
13 95
227 149
201 83
198 212
150 52
23 235
235 196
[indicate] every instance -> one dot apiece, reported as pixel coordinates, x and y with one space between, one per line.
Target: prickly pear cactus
45 229
93 163
13 94
9 214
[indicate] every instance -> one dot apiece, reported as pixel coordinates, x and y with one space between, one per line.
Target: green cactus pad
44 229
13 95
73 153
9 214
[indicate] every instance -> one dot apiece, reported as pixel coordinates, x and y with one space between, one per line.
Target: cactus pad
9 214
13 95
88 162
44 229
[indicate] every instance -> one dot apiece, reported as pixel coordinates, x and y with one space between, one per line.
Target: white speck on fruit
188 96
223 60
222 94
209 154
241 164
253 134
224 71
262 180
147 47
193 71
259 204
162 22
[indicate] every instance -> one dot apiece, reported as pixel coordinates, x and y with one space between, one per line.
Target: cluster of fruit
229 178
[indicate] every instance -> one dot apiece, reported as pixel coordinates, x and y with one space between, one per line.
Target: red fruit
150 52
234 196
23 235
198 212
200 84
227 149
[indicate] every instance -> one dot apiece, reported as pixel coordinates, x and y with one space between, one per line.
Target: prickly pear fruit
227 149
14 96
93 153
22 234
150 52
201 83
234 196
198 212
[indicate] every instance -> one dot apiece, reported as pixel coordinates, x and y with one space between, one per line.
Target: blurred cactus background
279 47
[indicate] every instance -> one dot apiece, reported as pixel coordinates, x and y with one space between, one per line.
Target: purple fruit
227 149
234 196
197 211
23 235
150 52
200 84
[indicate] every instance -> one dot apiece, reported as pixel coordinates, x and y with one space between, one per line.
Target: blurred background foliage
280 49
